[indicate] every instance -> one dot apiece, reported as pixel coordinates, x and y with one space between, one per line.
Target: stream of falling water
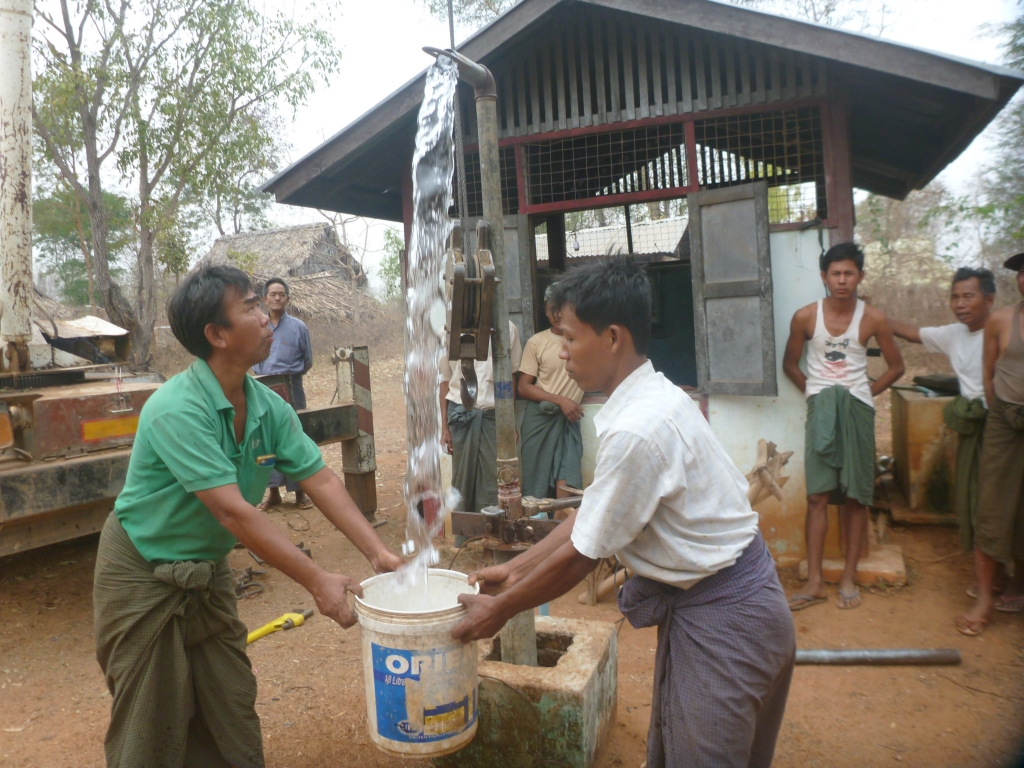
433 165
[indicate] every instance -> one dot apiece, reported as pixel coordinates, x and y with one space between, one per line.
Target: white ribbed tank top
838 360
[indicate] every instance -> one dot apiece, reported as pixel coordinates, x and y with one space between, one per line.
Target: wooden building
752 130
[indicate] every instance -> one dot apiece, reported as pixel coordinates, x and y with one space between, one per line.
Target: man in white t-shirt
670 504
971 299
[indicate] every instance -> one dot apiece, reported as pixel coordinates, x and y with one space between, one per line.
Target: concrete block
884 565
558 714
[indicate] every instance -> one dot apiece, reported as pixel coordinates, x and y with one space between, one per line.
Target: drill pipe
880 656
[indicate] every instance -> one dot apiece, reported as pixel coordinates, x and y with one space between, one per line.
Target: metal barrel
879 656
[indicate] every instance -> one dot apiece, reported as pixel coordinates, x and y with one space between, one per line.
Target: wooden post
358 457
556 241
838 169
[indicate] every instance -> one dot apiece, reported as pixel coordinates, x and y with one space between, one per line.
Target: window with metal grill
601 164
474 185
783 147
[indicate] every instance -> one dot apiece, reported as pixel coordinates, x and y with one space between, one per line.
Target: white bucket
421 685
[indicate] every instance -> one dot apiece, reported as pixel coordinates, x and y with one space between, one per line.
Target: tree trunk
88 258
146 305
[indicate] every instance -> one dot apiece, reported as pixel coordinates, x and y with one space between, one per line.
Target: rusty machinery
472 301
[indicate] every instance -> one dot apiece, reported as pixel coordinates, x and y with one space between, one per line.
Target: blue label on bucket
423 695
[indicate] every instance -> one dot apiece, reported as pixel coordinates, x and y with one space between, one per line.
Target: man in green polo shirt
168 636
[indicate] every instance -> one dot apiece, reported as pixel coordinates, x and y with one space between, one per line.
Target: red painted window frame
833 135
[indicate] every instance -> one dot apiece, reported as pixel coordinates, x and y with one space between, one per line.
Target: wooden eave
911 112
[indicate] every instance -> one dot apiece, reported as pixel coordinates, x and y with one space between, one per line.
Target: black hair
613 292
986 280
842 252
282 283
199 301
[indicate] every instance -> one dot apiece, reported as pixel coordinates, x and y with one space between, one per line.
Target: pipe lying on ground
880 656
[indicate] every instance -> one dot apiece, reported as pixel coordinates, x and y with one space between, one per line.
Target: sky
381 42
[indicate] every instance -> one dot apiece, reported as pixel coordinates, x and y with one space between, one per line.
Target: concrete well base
884 565
554 715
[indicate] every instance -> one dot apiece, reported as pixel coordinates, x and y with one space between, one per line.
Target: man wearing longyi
670 504
168 636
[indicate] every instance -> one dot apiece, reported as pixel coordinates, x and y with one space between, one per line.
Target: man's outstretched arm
332 499
551 579
257 533
496 579
905 331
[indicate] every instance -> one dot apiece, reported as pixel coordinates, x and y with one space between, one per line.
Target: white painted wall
739 422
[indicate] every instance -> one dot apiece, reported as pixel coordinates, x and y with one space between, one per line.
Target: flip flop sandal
972 591
1013 605
849 597
799 602
971 628
306 504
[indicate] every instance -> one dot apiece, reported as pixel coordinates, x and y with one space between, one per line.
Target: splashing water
433 164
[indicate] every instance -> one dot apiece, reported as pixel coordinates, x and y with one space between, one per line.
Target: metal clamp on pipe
469 323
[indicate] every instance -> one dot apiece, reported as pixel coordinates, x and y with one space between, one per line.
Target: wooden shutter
732 290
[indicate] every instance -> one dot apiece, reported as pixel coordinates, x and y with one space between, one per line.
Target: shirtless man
999 530
839 453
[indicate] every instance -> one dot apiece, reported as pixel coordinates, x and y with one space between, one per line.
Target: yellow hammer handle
275 626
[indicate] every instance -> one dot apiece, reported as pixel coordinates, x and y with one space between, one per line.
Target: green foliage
62 237
182 97
245 261
390 269
1002 210
173 251
471 13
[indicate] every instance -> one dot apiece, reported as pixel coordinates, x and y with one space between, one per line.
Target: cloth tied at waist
187 575
172 650
964 416
551 449
646 602
840 430
967 418
1011 413
731 628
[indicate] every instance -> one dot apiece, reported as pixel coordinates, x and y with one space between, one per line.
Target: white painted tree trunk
15 171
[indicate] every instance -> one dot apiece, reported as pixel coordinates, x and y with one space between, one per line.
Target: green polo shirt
186 443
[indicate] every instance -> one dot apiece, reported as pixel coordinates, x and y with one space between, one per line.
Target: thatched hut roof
306 249
324 298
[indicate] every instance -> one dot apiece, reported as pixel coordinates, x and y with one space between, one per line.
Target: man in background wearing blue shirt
291 353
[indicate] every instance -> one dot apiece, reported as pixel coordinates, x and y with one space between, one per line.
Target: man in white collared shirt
671 505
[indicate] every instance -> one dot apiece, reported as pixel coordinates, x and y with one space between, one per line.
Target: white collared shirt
666 498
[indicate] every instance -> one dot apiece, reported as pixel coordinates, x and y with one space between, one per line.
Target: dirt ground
54 704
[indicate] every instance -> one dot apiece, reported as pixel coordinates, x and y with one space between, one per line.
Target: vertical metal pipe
519 638
509 483
519 635
15 179
629 231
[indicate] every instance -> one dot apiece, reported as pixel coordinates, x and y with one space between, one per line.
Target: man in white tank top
839 454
